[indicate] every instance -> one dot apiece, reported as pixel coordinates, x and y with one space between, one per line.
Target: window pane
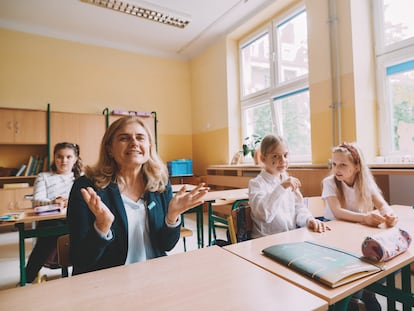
258 120
401 86
398 20
292 43
255 64
293 122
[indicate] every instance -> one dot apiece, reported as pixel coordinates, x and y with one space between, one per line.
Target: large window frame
277 90
393 58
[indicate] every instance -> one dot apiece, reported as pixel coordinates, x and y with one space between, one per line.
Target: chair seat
185 232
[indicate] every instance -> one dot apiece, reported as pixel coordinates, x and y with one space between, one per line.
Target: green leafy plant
251 144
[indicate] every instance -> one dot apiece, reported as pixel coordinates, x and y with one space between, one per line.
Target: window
394 30
255 65
274 83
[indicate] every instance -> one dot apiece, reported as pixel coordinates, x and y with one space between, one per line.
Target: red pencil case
386 245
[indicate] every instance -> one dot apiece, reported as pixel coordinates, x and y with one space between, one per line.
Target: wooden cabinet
19 126
14 199
238 176
86 130
23 133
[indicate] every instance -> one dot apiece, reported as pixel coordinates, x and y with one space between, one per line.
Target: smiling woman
122 211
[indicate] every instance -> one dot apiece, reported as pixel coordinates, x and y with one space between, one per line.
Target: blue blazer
89 251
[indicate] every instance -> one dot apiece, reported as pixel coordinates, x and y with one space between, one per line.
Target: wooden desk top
30 216
177 187
345 235
205 279
232 194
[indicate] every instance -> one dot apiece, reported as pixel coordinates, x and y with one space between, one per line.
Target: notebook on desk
328 265
47 209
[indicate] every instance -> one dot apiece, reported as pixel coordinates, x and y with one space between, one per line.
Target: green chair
218 213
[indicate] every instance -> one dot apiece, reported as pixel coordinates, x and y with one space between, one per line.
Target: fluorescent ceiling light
144 10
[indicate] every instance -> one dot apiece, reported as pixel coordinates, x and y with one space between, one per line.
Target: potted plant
251 144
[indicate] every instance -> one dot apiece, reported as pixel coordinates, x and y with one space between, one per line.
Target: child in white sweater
276 202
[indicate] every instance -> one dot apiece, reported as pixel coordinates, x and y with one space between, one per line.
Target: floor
9 255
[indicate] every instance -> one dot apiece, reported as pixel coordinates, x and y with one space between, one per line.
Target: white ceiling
77 21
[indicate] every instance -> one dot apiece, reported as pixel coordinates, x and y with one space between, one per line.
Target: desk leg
390 279
210 227
200 226
341 305
406 285
22 254
394 294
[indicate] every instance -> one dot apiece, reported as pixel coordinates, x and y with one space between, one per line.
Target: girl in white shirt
276 202
351 193
53 188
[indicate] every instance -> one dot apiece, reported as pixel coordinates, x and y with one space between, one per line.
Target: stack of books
34 166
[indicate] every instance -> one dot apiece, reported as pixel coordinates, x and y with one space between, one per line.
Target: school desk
175 282
199 213
25 233
345 235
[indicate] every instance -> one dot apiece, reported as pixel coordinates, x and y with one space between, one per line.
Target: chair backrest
240 223
316 205
63 251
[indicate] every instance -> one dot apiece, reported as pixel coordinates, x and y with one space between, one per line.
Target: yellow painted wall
74 77
356 120
209 104
197 101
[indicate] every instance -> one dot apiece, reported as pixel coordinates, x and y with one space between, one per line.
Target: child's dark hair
78 166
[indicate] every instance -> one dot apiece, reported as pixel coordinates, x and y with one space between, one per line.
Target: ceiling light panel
144 10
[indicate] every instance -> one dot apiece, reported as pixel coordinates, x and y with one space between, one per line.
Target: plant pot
256 157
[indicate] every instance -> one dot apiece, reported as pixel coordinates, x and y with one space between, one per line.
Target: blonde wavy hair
364 180
106 169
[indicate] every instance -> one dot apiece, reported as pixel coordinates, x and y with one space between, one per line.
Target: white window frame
260 32
387 56
276 89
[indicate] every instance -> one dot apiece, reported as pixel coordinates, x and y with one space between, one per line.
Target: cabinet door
19 199
6 201
19 126
30 127
86 130
13 199
7 126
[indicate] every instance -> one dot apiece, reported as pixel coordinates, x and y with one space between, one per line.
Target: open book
328 265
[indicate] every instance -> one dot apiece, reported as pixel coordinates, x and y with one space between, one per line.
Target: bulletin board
148 118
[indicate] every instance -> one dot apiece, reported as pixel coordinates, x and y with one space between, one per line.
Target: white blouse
139 242
275 209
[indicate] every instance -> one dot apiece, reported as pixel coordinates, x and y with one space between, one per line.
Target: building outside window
394 33
274 83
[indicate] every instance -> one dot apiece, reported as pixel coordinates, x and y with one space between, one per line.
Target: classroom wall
197 101
355 98
74 77
209 100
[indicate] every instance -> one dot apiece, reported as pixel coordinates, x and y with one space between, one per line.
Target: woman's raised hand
104 217
184 200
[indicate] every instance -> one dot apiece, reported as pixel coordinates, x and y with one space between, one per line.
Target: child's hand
317 225
61 201
292 182
373 219
390 220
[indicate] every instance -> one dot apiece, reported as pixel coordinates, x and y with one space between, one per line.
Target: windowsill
253 166
392 165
